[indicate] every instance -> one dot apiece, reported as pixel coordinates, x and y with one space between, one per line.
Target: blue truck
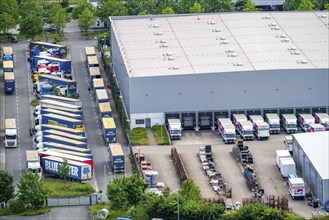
64 140
78 171
64 65
8 54
85 155
8 66
45 127
57 50
109 130
54 145
44 88
59 120
101 96
9 82
44 111
67 86
39 135
105 110
117 158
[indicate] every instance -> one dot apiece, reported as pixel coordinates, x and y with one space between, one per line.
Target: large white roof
316 147
225 42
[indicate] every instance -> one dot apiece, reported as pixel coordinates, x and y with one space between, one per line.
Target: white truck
281 154
261 130
33 162
316 127
228 133
10 133
174 129
256 118
236 118
287 166
296 186
245 129
322 118
289 123
274 121
288 143
304 121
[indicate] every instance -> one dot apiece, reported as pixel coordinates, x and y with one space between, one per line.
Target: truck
288 143
281 154
117 158
94 73
296 186
10 132
101 96
8 54
59 120
90 51
8 66
228 133
289 123
36 47
245 129
261 130
109 130
71 101
78 171
174 128
64 86
304 121
47 103
98 84
9 82
104 110
274 121
92 61
86 155
44 111
287 166
45 127
220 121
64 65
322 118
63 109
63 140
33 162
316 127
237 118
40 134
256 118
43 88
53 145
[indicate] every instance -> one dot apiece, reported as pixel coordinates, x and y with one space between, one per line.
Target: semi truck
71 101
237 118
316 127
92 61
63 140
109 130
90 51
65 86
94 73
274 121
117 158
261 130
304 121
44 127
9 82
322 118
40 134
78 171
54 119
33 162
245 129
289 123
296 186
10 133
53 145
8 54
281 154
104 110
174 129
8 66
44 111
101 96
48 103
63 109
86 155
55 49
43 88
64 65
228 133
256 118
98 84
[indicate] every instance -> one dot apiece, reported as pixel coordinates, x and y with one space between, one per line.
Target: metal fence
72 201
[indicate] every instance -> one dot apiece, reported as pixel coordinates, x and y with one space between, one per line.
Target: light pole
177 205
161 131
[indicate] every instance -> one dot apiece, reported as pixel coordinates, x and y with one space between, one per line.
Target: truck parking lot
263 153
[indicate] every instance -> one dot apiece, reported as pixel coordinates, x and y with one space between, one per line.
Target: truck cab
322 118
245 129
174 129
289 123
228 133
274 121
10 133
305 120
261 130
33 162
288 143
296 186
43 88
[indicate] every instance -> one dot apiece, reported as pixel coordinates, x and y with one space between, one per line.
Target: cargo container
54 119
261 130
98 84
43 111
117 158
8 54
71 101
104 110
64 141
316 127
44 127
304 121
109 130
53 145
40 134
236 118
9 82
78 171
289 123
94 73
287 166
245 129
322 118
8 66
101 96
63 109
90 51
281 154
47 103
92 61
274 121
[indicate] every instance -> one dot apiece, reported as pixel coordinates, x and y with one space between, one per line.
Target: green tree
86 20
109 8
190 191
250 6
167 11
54 9
31 25
64 170
6 22
8 15
7 188
305 5
162 4
134 187
161 206
291 5
31 190
82 5
185 5
116 194
59 19
142 13
196 8
136 6
31 6
321 3
219 6
326 7
65 3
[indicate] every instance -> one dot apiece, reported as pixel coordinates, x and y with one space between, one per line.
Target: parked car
50 28
12 39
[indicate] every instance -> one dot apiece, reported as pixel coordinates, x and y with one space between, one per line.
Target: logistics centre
201 66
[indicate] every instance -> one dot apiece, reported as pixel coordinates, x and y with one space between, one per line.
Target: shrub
16 206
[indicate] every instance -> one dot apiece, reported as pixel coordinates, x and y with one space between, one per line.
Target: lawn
140 212
138 137
61 188
160 139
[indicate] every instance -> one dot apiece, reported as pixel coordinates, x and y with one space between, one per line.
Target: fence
72 201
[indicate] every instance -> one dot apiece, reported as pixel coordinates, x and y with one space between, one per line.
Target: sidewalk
151 137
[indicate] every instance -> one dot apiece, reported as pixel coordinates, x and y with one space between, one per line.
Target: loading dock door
205 122
188 121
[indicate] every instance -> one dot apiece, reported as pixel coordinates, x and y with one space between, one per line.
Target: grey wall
237 90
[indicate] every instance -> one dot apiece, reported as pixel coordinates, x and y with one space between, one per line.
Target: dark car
49 28
12 39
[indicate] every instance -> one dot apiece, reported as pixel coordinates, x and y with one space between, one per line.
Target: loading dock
319 110
205 120
302 111
171 115
188 120
253 112
286 111
269 111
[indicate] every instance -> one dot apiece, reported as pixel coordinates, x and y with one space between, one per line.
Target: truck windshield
10 137
175 131
230 136
249 132
291 126
275 125
47 90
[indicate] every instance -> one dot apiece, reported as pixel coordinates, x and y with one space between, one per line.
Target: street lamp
161 131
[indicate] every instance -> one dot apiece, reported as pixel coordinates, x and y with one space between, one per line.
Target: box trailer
281 154
92 61
71 101
227 132
305 120
322 118
174 129
39 135
245 129
9 78
117 158
64 141
8 66
98 84
274 121
105 110
261 130
289 123
54 145
44 127
236 118
59 120
10 132
287 166
101 96
44 111
109 130
94 73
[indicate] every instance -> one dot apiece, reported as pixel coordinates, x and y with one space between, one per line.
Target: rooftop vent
230 50
293 48
212 22
158 33
169 54
163 41
273 24
285 40
155 25
303 61
223 38
238 64
233 55
175 67
164 45
216 30
267 17
323 16
276 28
283 36
296 52
225 42
171 58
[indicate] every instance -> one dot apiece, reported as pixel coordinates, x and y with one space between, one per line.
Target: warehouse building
311 154
201 66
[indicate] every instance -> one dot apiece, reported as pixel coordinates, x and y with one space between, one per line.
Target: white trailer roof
289 116
316 147
307 116
273 116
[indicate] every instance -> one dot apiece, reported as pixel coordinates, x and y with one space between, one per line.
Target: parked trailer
92 61
237 118
77 102
322 118
9 78
274 121
296 186
44 46
8 54
8 66
256 118
44 127
86 155
78 171
316 127
261 130
33 162
245 129
281 154
40 134
64 64
228 133
54 145
105 110
174 128
64 109
98 84
117 158
48 103
288 143
101 96
64 141
287 166
69 84
10 132
59 120
305 120
90 51
289 123
109 130
44 111
94 73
